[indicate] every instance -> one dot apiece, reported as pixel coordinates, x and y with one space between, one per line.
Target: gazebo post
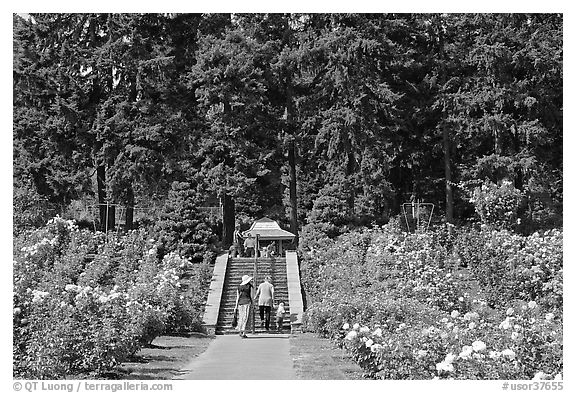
280 248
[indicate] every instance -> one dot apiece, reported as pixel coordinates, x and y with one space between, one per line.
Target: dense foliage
315 117
84 303
407 308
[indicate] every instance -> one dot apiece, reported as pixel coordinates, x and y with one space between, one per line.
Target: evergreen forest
326 120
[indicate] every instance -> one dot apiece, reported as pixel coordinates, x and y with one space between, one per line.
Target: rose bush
84 303
448 303
509 266
524 344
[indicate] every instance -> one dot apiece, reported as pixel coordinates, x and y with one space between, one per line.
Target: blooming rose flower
376 347
510 311
443 366
346 326
377 332
471 325
356 326
454 314
444 320
421 353
461 299
351 335
369 343
494 354
514 335
470 316
450 358
478 346
466 352
508 353
532 304
505 324
364 329
549 316
539 375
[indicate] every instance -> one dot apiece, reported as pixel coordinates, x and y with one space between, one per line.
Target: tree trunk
448 175
291 160
445 133
129 208
292 186
350 165
101 181
107 211
228 212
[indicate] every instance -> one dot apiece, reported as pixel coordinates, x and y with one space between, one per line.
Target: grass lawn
165 357
317 358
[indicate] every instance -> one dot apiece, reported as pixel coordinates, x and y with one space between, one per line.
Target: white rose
346 326
466 352
539 375
494 354
508 353
510 311
442 366
454 314
532 304
351 335
450 358
505 324
478 346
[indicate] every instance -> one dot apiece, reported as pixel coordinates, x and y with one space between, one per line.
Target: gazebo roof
269 230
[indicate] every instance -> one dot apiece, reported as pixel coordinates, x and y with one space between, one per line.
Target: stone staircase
236 268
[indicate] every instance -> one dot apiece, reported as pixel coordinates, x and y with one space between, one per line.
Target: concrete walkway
260 356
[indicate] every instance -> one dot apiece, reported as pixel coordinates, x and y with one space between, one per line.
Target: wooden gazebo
268 230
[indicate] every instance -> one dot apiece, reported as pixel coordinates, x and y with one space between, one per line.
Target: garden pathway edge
230 357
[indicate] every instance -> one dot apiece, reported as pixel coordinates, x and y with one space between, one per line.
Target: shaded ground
314 358
165 358
319 359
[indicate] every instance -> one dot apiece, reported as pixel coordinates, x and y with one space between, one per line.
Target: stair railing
255 281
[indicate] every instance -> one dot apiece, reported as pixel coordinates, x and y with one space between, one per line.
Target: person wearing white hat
243 304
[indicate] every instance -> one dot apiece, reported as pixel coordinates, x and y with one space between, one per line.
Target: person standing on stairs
238 241
250 245
243 304
265 295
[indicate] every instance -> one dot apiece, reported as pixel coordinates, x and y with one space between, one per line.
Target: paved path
260 356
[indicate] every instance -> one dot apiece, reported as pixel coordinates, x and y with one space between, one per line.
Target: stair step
238 267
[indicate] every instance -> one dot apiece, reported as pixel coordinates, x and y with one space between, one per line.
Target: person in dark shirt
243 304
